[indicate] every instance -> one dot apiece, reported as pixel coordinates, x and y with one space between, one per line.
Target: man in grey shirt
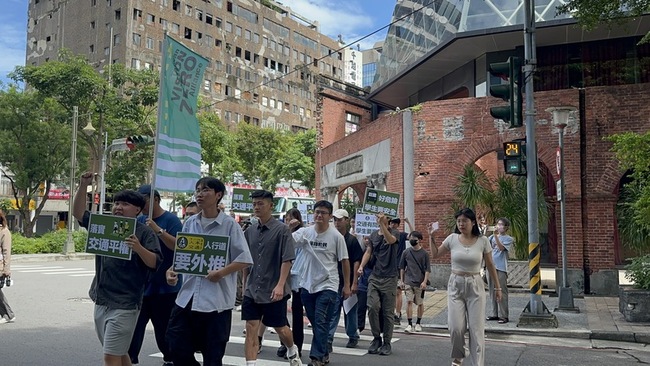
382 284
266 287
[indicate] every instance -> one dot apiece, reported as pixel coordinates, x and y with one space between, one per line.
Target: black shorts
273 314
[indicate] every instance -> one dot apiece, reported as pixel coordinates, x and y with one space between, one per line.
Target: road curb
622 336
49 257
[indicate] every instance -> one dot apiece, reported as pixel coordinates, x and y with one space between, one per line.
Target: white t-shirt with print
329 247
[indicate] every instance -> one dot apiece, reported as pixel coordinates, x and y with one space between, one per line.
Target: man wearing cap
342 224
159 297
119 284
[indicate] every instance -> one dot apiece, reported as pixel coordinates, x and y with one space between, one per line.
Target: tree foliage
591 13
34 147
218 147
505 196
632 150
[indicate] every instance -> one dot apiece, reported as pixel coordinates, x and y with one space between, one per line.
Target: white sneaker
418 328
408 328
295 360
238 308
3 320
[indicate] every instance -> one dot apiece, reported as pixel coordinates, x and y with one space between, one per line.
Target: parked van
283 204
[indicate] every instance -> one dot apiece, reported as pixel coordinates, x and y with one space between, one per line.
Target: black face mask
413 242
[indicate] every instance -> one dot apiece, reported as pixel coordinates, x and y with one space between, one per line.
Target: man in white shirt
201 318
325 247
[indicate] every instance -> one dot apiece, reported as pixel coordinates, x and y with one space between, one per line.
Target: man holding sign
119 284
201 318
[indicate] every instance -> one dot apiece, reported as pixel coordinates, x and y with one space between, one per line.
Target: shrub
51 242
639 272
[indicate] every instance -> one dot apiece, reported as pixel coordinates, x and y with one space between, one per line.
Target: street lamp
560 121
69 248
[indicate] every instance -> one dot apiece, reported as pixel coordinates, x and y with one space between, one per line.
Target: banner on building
199 254
107 234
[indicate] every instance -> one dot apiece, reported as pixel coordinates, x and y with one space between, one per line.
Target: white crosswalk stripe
53 270
233 360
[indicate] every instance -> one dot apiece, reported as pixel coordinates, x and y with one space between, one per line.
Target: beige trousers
466 310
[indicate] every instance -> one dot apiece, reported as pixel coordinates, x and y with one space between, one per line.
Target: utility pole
535 313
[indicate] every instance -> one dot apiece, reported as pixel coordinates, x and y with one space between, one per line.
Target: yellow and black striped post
533 268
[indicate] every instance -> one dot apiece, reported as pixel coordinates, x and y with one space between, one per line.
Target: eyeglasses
321 213
203 190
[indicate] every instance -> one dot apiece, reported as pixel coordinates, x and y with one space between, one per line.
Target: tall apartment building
264 58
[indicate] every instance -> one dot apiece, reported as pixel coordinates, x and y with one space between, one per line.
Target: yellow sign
32 204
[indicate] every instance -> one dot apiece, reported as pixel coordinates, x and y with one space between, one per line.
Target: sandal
456 362
503 320
490 318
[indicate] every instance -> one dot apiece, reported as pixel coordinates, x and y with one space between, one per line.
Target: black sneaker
352 343
396 320
374 346
282 351
385 350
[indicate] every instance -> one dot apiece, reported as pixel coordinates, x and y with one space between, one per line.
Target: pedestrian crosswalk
53 270
270 359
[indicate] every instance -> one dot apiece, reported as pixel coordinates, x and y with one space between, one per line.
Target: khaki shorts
115 328
414 294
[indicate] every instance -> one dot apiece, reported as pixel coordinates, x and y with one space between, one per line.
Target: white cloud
335 16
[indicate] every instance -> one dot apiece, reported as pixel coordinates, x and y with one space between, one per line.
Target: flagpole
158 124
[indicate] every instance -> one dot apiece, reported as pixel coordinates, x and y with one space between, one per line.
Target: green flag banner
198 254
178 145
377 201
106 234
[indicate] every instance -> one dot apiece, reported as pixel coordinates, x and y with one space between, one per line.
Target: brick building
421 153
264 57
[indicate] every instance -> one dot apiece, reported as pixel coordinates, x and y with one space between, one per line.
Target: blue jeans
319 307
351 321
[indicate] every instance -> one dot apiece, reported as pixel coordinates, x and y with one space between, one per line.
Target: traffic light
510 92
514 157
138 140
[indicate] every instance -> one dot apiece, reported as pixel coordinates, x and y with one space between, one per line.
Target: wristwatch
160 232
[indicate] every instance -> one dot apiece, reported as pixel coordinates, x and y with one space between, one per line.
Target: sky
352 19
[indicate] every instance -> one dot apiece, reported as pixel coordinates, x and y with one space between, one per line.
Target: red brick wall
589 214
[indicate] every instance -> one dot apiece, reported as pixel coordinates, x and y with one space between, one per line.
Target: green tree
218 145
34 147
259 150
121 107
591 13
297 160
505 196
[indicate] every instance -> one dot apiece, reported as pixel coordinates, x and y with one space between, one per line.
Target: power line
306 65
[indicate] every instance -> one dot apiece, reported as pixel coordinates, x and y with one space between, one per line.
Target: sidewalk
598 318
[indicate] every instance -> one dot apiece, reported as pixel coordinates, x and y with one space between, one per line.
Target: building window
136 39
150 43
92 25
176 5
217 22
226 116
151 19
92 48
188 10
176 28
207 85
188 33
247 34
351 123
238 31
256 38
135 63
116 39
228 27
265 101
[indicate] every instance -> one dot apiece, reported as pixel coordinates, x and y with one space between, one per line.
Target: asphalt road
54 327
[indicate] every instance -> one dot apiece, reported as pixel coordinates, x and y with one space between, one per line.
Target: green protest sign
377 201
241 200
198 254
106 234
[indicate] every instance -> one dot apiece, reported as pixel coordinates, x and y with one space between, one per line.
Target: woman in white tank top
465 290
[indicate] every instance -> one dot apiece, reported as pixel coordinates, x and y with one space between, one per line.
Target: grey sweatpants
5 309
499 309
466 309
382 292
